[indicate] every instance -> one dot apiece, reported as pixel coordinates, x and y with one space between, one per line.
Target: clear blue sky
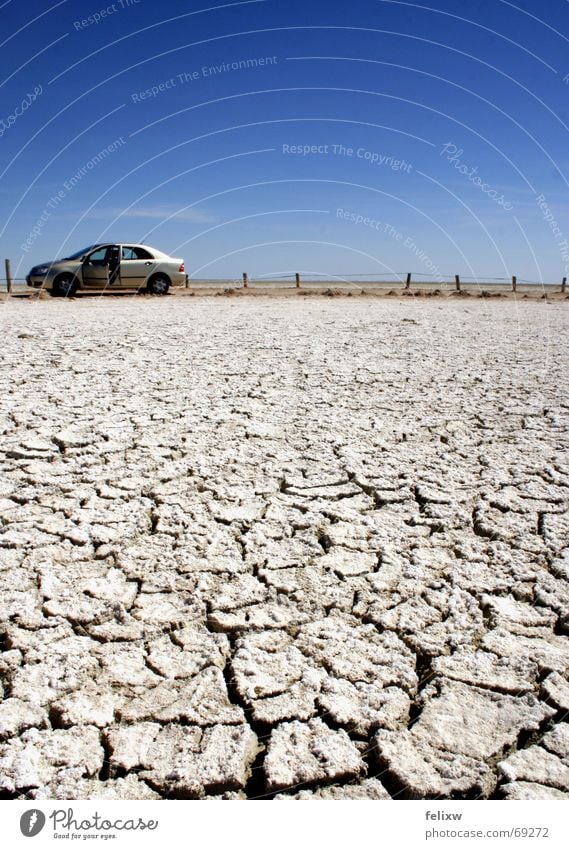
456 115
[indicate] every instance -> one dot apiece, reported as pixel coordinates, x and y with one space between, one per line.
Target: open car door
96 268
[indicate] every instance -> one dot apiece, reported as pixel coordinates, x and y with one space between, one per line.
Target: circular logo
32 822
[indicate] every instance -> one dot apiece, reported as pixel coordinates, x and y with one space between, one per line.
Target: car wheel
64 286
159 284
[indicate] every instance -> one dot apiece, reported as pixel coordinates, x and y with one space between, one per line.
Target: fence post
514 283
245 280
563 284
457 282
8 277
297 277
408 283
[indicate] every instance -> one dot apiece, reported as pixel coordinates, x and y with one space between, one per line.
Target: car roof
129 245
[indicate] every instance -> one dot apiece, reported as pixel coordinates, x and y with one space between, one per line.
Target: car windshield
79 254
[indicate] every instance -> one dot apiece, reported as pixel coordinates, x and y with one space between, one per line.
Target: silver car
109 267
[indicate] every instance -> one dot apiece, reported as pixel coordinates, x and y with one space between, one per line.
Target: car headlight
41 269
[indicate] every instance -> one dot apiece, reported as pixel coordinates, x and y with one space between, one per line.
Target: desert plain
284 548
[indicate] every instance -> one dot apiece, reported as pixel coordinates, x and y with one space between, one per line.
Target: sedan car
109 267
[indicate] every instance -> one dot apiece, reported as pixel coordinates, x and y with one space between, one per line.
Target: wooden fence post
563 284
408 283
8 277
457 282
245 280
297 277
514 283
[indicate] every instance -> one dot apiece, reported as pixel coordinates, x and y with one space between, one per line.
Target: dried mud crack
261 548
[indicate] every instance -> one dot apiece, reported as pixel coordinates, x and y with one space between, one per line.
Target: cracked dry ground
309 549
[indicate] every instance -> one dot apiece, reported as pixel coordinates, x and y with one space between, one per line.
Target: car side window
129 252
98 256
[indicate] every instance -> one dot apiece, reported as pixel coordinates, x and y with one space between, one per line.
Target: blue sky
277 136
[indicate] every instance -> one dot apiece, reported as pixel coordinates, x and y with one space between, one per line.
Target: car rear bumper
178 278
